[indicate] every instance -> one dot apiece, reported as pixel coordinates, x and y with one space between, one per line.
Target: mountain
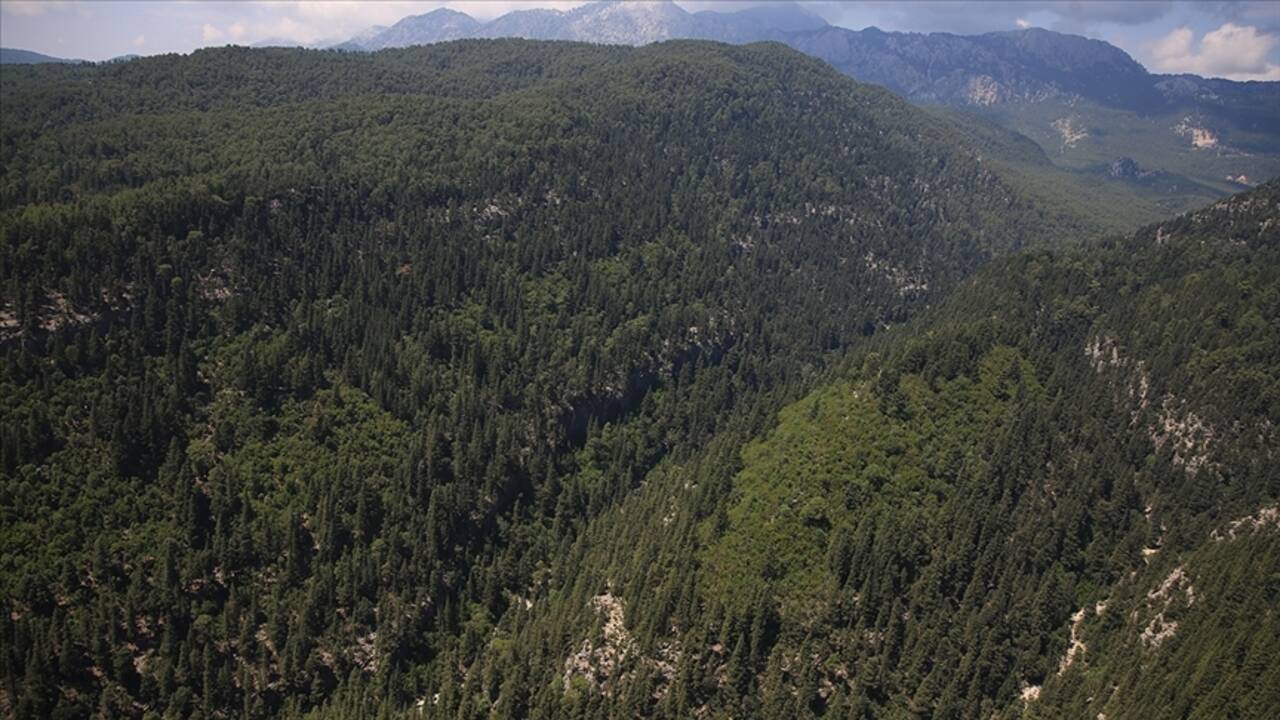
1085 102
367 34
1020 66
313 363
625 23
514 379
13 56
435 26
1051 496
610 21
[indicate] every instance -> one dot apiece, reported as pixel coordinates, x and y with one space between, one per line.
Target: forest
527 379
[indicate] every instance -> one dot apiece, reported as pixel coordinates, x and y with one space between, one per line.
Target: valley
449 376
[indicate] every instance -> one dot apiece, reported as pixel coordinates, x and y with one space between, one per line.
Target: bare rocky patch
1070 132
1266 519
1077 648
1176 589
1202 138
614 654
1189 436
597 661
1185 433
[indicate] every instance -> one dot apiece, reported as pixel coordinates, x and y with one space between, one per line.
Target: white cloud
140 41
1022 23
210 33
1232 51
347 14
237 30
286 28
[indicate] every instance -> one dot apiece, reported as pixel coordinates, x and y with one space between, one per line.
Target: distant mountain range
974 70
617 23
14 56
1085 102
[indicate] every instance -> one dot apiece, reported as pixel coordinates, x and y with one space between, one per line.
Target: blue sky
1240 40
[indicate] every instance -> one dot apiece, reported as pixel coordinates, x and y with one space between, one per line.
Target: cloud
140 41
310 21
1232 51
1022 23
1132 12
978 16
210 33
286 28
1261 15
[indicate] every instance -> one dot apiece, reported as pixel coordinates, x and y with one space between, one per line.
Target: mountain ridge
789 23
16 56
1086 102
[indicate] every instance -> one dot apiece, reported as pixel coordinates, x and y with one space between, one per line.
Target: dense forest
517 379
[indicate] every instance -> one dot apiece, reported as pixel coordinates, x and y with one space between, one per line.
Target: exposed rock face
1071 132
1202 138
614 652
1104 353
597 661
1077 648
1158 631
1176 588
435 26
618 23
984 90
979 70
1188 434
1266 519
1030 693
1126 168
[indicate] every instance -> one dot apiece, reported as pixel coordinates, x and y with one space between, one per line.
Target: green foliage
850 454
316 365
446 382
919 536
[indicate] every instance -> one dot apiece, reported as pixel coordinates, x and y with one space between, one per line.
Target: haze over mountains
27 57
1088 104
1028 65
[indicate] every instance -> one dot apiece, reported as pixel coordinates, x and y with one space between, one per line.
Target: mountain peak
438 25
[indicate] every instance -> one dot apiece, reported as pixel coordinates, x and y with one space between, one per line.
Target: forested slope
1055 496
316 366
510 379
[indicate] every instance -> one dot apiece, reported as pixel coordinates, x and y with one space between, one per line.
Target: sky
1237 40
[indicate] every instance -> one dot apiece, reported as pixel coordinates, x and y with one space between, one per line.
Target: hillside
14 56
314 363
1087 103
1053 496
